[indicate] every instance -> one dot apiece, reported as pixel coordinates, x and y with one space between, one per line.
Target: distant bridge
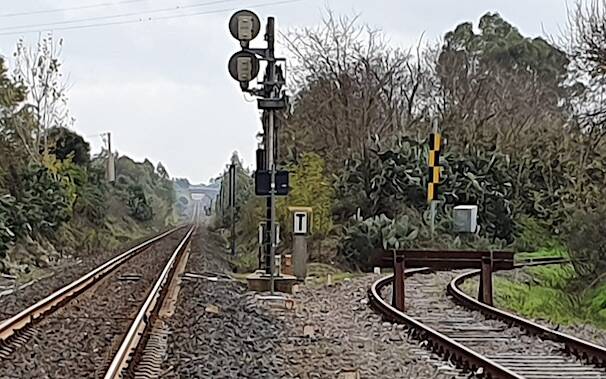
198 192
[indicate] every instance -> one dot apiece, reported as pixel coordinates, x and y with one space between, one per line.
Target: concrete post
300 256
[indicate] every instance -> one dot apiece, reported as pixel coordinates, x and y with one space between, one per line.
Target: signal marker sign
435 146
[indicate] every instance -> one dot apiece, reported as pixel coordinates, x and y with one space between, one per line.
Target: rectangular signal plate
245 28
244 69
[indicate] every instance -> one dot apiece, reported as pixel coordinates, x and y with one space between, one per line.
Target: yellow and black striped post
435 146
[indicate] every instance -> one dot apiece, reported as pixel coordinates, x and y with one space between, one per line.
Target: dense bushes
7 227
44 200
391 180
53 194
518 146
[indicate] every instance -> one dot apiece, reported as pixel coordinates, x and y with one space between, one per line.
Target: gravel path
53 278
79 340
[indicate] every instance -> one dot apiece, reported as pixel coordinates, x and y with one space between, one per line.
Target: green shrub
362 238
392 176
45 201
535 235
309 187
138 206
7 235
586 240
91 203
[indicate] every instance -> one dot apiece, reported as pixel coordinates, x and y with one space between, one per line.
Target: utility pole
244 66
110 172
232 204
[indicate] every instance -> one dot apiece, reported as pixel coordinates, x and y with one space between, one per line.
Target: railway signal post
435 147
244 67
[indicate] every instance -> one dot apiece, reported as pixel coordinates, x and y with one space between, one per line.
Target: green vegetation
546 293
54 198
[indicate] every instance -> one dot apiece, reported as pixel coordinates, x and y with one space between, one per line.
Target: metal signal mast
244 67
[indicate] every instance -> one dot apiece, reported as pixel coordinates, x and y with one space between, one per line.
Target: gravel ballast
220 330
17 297
80 339
334 333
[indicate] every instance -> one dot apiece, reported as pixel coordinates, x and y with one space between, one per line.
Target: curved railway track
98 325
482 340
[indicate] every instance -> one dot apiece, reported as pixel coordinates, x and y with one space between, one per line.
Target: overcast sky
162 88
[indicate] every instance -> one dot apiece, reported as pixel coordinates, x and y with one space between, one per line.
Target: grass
543 292
317 274
556 252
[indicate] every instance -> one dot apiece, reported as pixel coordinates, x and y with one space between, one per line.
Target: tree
244 192
587 243
16 125
351 85
39 70
161 170
585 43
64 143
493 82
182 182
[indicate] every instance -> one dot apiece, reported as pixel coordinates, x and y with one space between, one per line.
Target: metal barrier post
399 286
485 290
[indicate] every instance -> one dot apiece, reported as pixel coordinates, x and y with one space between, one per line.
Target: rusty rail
144 319
587 351
465 357
443 345
49 304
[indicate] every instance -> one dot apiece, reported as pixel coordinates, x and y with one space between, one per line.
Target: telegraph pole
110 172
244 66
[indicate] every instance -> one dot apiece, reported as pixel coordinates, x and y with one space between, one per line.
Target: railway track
481 340
98 325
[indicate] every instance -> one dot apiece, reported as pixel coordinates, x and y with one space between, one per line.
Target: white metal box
466 218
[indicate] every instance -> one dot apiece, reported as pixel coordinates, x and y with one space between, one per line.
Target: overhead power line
79 7
148 19
120 15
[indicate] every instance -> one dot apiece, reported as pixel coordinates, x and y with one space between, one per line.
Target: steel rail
463 356
50 303
442 344
144 317
585 350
